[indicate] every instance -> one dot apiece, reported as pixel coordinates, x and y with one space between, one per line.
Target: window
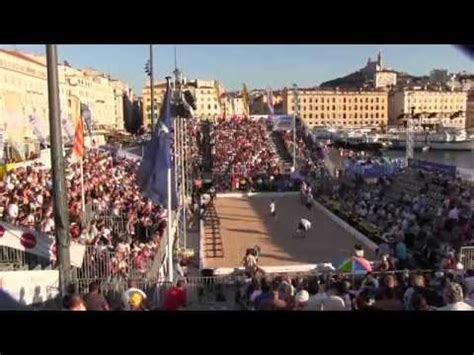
333 99
215 107
343 115
376 99
316 116
322 108
355 115
311 107
327 108
310 100
310 115
334 108
355 100
376 115
344 100
371 115
304 100
366 115
292 108
344 107
371 108
322 115
355 107
366 107
322 99
304 116
366 99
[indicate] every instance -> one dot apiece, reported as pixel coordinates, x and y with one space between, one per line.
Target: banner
432 167
38 129
37 243
67 130
282 123
30 287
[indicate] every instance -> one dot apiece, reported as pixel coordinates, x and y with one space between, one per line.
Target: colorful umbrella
355 264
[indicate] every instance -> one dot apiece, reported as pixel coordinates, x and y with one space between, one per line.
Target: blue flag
153 172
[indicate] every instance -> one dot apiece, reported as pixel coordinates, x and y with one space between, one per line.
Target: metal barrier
13 259
109 265
466 257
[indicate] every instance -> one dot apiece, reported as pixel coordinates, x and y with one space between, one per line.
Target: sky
259 66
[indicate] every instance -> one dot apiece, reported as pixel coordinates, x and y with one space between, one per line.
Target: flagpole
170 230
83 192
170 213
183 181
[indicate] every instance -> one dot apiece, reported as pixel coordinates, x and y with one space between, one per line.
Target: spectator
136 302
301 298
75 303
274 302
132 288
454 298
175 298
94 301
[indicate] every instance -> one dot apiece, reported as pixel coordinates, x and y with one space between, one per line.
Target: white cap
302 296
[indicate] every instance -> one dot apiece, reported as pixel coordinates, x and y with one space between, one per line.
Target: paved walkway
241 223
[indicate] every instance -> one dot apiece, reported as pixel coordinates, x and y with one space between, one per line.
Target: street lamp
295 113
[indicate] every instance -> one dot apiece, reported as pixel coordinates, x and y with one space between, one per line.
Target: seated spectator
454 298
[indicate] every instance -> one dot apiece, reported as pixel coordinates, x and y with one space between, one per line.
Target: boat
442 139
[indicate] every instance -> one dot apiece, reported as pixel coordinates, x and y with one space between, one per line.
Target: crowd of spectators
382 292
242 156
123 225
418 218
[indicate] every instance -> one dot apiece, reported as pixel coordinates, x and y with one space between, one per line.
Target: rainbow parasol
355 264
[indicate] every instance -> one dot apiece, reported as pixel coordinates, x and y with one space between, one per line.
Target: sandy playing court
240 223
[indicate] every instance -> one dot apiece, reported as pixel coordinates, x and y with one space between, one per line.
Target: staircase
275 141
213 247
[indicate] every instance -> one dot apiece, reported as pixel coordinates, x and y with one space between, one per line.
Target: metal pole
61 217
152 88
295 113
170 237
409 136
183 181
83 192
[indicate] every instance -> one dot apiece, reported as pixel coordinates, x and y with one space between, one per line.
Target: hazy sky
259 66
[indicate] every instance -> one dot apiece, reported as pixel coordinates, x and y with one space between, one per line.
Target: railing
466 257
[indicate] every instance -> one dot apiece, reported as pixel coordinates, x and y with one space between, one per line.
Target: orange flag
78 147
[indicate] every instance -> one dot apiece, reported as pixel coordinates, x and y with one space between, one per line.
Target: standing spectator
94 301
175 298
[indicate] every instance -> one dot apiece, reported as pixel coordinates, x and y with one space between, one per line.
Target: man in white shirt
303 227
273 208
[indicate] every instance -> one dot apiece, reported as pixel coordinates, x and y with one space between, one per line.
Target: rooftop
22 56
